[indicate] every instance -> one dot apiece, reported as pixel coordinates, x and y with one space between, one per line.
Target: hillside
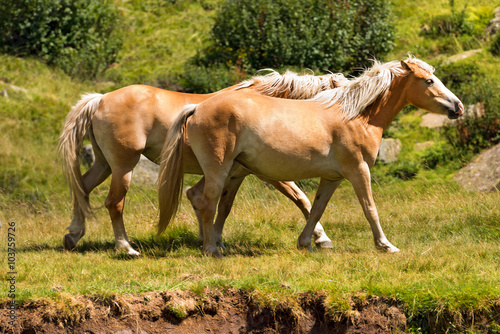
154 54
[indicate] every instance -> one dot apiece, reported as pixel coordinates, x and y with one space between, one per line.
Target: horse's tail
75 128
171 169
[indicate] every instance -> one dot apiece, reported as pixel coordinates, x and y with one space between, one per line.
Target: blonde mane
360 92
292 85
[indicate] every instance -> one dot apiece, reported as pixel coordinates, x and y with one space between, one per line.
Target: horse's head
426 91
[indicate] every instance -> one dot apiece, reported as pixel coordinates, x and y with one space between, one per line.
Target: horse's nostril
459 107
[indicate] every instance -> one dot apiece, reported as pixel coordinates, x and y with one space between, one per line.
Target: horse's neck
383 111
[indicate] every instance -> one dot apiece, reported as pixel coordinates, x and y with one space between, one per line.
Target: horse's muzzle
456 111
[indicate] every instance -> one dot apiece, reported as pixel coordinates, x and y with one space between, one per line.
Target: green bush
79 36
203 80
472 134
437 154
455 31
495 45
455 24
404 169
317 34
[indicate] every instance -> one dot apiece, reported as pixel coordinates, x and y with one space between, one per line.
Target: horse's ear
405 66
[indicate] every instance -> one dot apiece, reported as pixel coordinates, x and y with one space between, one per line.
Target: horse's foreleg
92 178
325 191
362 186
115 202
225 204
290 190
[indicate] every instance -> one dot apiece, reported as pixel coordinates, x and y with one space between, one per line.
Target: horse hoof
387 248
221 245
69 243
214 253
324 244
305 248
133 252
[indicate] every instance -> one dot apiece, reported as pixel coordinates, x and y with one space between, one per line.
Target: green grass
449 241
413 15
160 37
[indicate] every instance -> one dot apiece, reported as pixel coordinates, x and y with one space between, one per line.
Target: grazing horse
336 135
134 120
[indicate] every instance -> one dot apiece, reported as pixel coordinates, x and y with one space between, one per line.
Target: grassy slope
449 238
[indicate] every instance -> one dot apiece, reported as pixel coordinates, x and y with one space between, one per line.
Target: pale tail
75 127
171 169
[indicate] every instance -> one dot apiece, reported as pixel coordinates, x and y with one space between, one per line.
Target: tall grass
449 241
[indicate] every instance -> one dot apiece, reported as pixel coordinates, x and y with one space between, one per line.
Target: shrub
449 24
404 169
317 34
495 45
437 154
79 36
473 134
203 80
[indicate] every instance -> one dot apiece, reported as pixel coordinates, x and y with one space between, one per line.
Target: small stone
389 150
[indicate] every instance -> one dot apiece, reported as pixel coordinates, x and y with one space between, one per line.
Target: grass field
449 238
449 241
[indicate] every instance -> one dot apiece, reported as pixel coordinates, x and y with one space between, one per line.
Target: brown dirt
230 311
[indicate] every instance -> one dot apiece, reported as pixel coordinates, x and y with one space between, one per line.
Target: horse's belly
288 165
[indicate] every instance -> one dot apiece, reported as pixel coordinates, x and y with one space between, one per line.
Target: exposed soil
230 311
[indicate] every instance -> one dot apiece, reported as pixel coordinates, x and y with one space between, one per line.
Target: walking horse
134 120
335 135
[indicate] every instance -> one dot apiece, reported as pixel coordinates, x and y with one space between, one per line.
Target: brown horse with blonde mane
134 120
336 135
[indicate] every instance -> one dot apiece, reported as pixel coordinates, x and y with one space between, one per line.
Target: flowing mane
292 85
358 93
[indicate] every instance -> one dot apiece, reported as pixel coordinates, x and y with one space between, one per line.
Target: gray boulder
389 150
483 173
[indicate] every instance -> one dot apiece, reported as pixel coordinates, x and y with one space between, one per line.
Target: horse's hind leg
226 201
97 173
215 178
290 190
115 203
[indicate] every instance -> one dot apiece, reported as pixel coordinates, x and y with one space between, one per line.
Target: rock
87 156
483 173
18 89
145 172
433 121
463 55
423 146
475 110
494 25
389 150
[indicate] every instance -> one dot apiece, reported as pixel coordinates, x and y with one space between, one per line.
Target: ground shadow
175 242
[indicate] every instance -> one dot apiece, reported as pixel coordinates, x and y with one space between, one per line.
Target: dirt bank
217 312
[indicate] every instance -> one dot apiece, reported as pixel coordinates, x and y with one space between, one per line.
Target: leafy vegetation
78 36
339 36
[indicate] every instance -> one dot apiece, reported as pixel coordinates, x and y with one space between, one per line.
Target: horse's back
264 134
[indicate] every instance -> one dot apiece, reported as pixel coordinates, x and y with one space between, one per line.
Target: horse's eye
429 81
